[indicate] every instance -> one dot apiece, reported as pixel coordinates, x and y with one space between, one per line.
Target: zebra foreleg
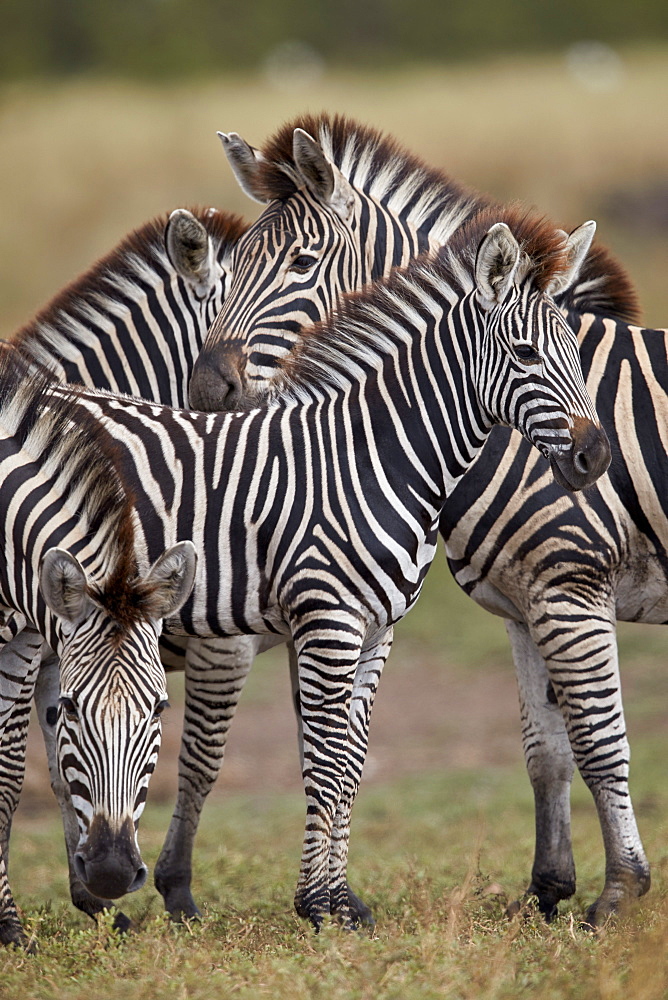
582 664
19 664
367 678
47 693
550 763
216 670
328 650
360 914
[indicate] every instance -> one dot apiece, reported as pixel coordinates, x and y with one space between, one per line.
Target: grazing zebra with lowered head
134 323
376 419
70 572
496 551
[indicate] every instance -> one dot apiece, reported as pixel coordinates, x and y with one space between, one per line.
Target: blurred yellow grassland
85 161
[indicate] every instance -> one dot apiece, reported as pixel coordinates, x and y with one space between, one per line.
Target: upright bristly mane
368 324
80 458
381 168
376 164
139 262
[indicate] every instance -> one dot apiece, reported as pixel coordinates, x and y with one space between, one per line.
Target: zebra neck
123 335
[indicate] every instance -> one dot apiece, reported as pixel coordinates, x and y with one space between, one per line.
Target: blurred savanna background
108 116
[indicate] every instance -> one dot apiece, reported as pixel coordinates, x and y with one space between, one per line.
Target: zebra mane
130 267
376 164
81 459
368 324
382 168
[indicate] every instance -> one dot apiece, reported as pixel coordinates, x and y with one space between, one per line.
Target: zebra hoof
13 935
181 906
360 914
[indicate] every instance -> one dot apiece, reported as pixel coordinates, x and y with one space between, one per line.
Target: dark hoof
527 906
181 906
122 924
360 914
13 935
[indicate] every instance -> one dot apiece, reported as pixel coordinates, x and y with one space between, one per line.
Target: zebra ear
322 178
64 585
189 248
577 248
496 265
245 162
171 578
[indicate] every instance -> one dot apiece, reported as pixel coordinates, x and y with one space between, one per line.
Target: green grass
438 858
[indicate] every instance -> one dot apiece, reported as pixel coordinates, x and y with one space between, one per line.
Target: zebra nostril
581 462
139 880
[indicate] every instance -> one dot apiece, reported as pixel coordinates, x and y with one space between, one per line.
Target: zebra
490 557
424 363
560 572
134 323
70 574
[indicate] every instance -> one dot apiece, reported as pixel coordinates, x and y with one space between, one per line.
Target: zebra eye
160 708
69 708
303 262
525 352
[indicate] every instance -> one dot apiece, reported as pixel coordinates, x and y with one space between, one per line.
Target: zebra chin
108 864
585 461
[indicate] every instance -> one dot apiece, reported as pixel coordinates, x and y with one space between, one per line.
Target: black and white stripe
317 517
363 209
561 570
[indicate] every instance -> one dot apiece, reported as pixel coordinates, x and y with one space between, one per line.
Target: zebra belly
642 591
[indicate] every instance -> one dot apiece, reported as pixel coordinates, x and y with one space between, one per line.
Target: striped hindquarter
417 364
561 570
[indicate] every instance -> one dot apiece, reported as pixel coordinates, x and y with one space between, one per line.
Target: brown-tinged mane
74 449
603 287
360 326
145 244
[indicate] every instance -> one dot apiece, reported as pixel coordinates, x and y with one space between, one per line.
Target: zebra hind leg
47 692
216 670
360 913
550 764
584 672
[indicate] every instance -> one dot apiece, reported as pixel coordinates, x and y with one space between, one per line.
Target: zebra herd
365 335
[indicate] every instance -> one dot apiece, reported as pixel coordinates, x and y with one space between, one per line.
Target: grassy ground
437 858
442 840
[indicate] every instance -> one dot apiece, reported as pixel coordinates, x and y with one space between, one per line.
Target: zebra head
529 362
289 268
113 691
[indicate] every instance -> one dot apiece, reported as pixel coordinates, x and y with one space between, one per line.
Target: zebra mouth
560 477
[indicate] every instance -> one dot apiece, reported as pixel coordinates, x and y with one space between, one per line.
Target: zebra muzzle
108 864
587 458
